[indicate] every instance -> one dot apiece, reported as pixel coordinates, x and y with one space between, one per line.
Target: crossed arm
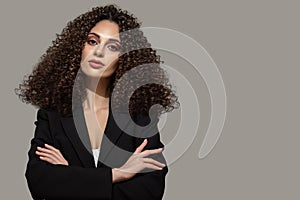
58 180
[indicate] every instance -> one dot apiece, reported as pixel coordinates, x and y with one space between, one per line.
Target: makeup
96 64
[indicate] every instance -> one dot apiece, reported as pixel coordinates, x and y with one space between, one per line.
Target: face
101 50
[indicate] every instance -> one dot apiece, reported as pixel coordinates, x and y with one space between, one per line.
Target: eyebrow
110 39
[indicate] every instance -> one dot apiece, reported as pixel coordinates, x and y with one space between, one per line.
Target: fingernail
145 140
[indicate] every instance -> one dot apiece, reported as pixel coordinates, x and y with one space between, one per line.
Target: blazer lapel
76 130
81 149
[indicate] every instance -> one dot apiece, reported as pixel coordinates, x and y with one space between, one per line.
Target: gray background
255 44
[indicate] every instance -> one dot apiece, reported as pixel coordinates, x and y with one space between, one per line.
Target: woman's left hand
51 155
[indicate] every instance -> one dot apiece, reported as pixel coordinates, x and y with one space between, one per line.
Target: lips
96 64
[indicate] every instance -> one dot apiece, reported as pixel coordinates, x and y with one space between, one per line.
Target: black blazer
82 179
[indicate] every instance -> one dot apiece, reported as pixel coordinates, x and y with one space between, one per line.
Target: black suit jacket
82 179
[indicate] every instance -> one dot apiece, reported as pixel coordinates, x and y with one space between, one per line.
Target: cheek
113 64
113 58
85 52
83 55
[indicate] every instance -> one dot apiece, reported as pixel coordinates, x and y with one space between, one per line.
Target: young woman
77 151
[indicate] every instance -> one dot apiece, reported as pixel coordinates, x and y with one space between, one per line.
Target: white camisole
96 155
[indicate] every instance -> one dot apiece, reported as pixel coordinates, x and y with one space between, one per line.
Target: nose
99 50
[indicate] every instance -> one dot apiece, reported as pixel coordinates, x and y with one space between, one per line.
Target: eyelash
116 48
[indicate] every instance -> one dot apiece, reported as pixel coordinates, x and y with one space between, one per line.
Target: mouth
96 64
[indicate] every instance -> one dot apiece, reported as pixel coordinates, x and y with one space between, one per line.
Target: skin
103 44
99 45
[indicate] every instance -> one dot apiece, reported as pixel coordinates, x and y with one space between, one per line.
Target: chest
96 124
72 137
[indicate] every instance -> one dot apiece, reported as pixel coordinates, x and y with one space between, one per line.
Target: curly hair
52 82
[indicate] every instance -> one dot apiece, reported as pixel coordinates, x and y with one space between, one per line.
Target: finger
52 152
154 162
59 158
151 166
141 147
151 151
54 149
47 159
47 155
52 159
51 147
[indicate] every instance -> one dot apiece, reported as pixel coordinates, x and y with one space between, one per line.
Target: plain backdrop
255 45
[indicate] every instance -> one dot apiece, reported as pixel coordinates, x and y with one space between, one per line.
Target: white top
96 155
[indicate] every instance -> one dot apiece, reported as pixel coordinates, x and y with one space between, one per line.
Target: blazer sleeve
146 185
49 181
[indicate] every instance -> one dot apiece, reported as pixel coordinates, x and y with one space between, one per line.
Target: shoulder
146 126
143 120
44 114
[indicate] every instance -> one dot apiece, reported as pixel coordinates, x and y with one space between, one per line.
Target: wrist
116 175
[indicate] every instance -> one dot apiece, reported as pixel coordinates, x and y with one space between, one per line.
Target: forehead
106 29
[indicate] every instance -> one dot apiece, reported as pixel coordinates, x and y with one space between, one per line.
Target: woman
73 85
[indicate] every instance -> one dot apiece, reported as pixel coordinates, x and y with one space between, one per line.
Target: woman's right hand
136 163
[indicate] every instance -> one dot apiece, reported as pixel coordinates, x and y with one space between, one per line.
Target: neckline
86 129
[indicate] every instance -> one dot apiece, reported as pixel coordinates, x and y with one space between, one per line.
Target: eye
113 48
92 42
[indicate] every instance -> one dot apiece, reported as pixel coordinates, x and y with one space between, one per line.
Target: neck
97 94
